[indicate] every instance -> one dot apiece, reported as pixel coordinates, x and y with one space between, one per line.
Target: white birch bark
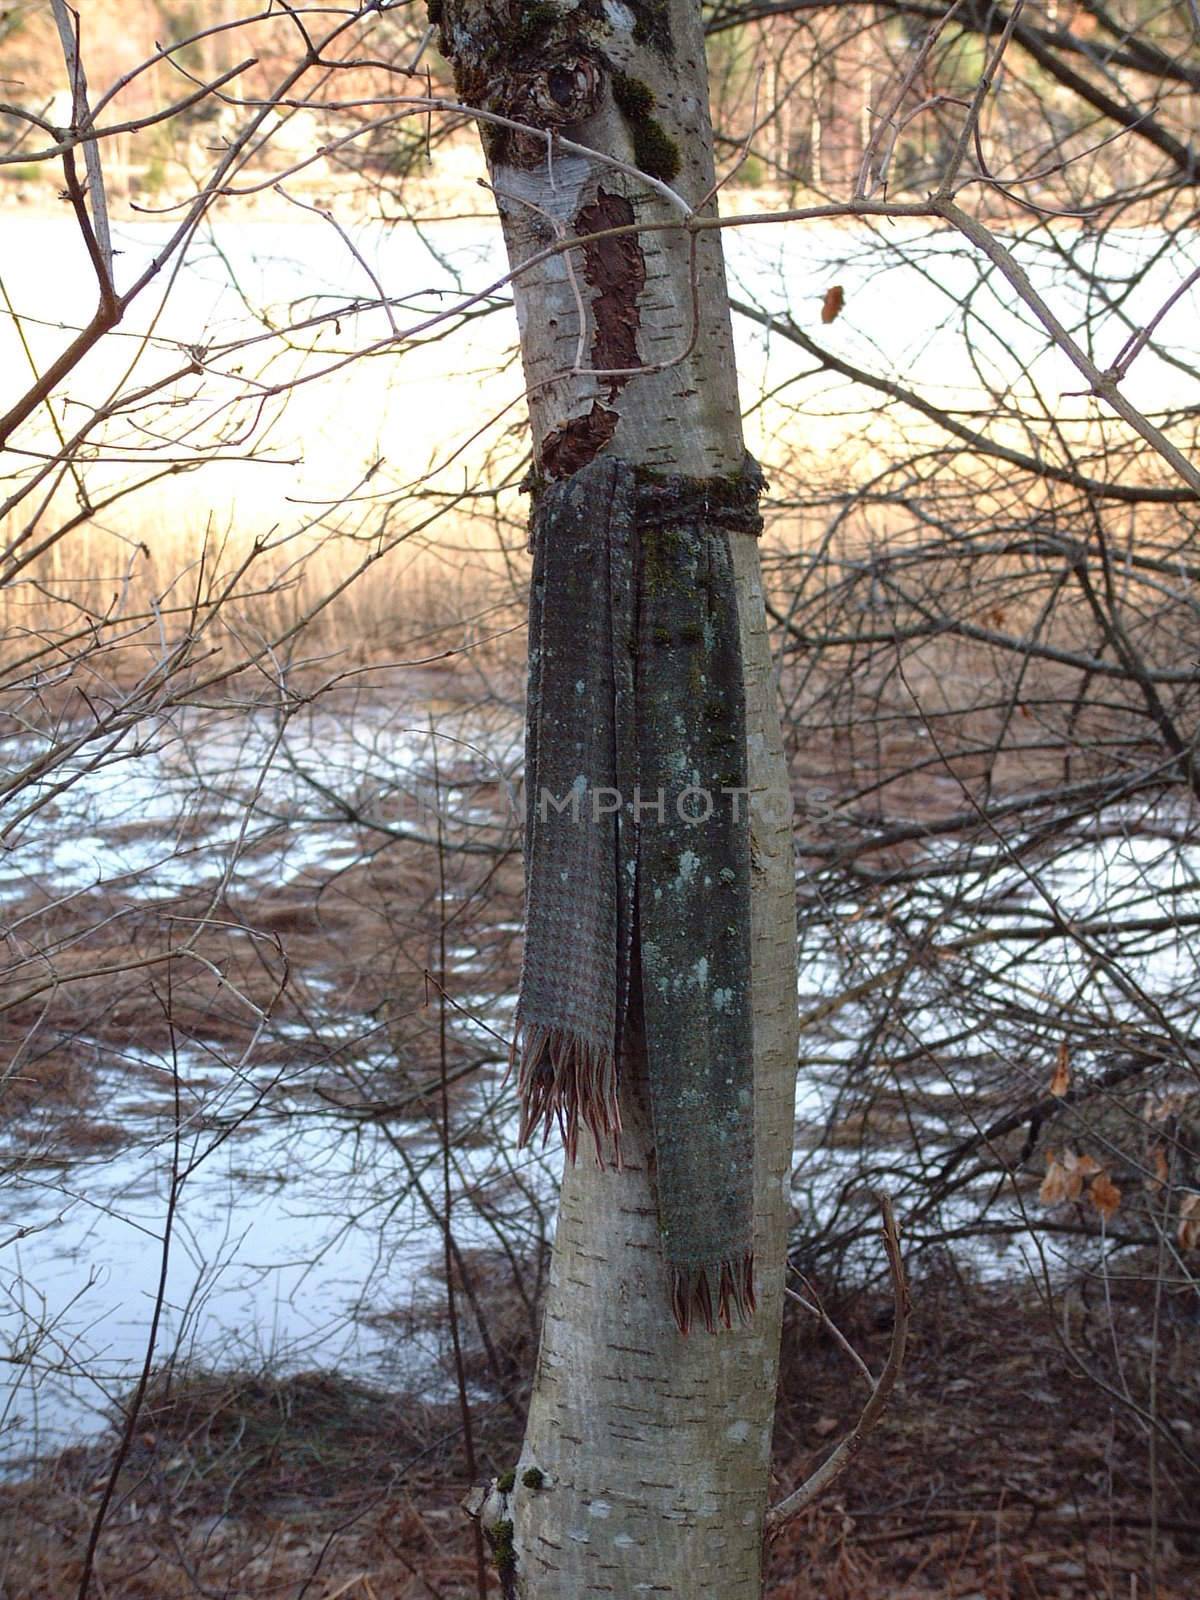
653 1448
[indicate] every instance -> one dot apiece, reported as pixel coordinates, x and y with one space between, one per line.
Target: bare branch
848 1447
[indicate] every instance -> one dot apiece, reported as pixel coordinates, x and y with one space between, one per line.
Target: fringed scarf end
563 1078
692 1293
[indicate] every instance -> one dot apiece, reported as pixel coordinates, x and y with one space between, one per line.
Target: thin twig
67 23
876 158
818 1310
464 1403
160 1300
836 1463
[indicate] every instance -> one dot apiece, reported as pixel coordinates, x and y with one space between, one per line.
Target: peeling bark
577 442
682 415
616 269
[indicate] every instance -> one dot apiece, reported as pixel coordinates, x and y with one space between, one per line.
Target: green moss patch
635 99
654 150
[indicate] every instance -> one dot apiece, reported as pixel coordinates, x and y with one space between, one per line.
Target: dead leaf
1105 1196
1065 1177
1189 1222
1061 1081
833 302
1161 1170
1054 1185
824 1426
1159 1109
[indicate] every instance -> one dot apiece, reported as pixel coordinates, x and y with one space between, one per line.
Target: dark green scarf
637 857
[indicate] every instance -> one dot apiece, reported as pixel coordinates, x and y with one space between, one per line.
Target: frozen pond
303 1237
294 1244
960 328
203 797
299 1237
1094 947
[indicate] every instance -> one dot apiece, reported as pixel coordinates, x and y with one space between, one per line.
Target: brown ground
1000 1473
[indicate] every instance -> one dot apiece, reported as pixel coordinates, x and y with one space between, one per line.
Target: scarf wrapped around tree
637 852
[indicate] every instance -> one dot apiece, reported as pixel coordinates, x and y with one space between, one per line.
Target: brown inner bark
616 269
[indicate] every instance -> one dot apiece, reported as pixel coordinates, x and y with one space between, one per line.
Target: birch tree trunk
644 1467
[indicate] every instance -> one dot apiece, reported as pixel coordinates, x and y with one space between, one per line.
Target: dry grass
250 1485
998 1474
93 618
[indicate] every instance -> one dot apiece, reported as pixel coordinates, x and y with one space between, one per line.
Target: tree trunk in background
654 1447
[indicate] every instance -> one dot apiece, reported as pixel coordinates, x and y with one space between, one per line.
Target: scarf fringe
691 1293
562 1077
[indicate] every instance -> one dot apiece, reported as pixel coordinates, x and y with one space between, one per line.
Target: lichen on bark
545 65
652 24
500 1537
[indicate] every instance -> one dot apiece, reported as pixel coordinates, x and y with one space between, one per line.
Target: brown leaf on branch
833 302
1105 1196
1159 1108
1189 1222
1054 1185
1061 1081
1065 1177
1161 1170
